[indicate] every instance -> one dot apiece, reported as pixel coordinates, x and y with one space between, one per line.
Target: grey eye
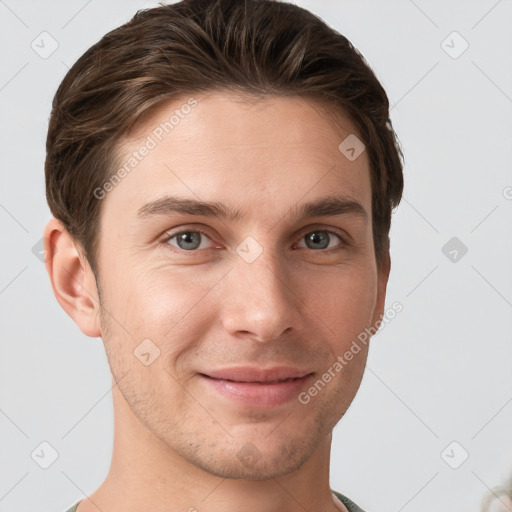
320 239
188 240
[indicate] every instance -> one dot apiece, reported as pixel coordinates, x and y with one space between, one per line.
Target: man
222 177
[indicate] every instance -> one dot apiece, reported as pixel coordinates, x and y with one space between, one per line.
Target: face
200 301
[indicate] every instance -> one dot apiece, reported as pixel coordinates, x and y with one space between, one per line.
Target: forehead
266 153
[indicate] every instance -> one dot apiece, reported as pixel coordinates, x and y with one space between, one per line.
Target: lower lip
256 394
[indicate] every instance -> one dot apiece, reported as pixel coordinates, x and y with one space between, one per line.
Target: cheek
146 298
164 305
344 301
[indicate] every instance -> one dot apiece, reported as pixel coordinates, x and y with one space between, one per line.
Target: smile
265 392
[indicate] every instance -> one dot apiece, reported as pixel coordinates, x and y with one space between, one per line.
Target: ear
72 279
382 282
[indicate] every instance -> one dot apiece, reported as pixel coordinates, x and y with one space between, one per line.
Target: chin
251 457
262 469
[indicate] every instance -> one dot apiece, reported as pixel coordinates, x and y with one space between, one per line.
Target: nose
259 301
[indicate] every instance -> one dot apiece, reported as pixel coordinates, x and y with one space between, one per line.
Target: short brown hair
261 47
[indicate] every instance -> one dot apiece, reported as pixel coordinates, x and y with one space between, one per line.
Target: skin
175 441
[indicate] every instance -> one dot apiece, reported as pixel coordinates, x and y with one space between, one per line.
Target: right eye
187 241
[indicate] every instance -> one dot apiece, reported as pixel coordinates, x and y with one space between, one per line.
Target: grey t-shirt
352 507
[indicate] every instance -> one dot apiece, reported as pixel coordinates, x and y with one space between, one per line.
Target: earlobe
71 278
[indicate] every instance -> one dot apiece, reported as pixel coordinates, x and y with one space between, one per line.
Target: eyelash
342 245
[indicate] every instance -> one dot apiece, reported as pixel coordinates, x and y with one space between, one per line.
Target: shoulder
352 507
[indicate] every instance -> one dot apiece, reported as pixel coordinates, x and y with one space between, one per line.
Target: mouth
259 375
256 388
255 381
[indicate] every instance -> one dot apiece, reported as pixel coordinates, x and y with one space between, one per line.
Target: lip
257 387
254 374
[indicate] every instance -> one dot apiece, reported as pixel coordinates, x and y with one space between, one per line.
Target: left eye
320 239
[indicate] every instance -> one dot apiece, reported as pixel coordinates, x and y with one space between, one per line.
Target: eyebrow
324 207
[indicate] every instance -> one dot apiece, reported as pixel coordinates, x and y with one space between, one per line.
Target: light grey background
439 372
